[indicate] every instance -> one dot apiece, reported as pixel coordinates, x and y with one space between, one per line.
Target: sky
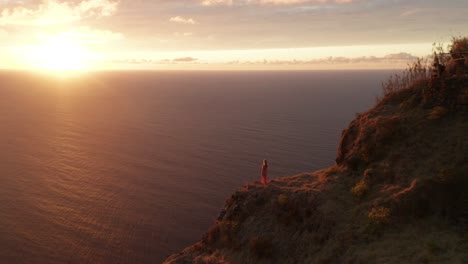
224 34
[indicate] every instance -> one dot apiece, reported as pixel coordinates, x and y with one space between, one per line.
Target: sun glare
59 55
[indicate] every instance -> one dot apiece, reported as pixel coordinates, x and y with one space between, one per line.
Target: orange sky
223 34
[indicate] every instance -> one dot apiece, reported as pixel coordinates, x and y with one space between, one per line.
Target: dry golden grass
379 215
360 189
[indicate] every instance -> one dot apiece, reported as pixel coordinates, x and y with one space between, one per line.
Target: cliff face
397 194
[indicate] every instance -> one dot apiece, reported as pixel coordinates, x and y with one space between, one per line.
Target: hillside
397 193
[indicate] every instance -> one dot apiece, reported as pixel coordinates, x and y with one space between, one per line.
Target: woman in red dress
264 172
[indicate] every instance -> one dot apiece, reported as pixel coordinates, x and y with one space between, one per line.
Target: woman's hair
265 162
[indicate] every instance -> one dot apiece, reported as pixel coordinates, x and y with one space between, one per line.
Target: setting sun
59 54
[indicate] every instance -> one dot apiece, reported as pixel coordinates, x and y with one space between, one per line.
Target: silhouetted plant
459 45
429 75
458 65
440 54
416 72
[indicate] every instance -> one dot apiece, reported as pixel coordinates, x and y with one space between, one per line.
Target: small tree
454 57
458 47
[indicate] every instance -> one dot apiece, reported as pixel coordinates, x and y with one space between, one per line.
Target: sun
59 54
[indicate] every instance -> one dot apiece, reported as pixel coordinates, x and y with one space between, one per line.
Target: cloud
98 7
216 2
266 2
185 59
402 56
52 12
397 58
87 36
183 34
149 62
410 12
182 20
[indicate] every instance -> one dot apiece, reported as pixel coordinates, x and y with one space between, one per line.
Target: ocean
130 167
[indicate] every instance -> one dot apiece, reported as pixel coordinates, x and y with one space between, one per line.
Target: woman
264 172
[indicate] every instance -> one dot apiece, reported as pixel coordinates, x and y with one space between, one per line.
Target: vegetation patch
379 215
228 231
224 232
360 189
403 85
282 200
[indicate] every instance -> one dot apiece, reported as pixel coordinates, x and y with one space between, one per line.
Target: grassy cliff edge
397 193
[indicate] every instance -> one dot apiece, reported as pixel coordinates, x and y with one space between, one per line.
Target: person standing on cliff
264 172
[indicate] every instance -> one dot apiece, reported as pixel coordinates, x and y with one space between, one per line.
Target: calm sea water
130 167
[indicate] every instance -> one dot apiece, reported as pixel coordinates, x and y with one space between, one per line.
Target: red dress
264 174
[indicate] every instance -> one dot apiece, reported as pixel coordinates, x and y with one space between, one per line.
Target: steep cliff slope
397 194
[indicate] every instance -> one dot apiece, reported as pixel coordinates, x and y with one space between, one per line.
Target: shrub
452 58
228 231
360 189
379 215
282 200
261 247
416 72
440 54
222 232
459 44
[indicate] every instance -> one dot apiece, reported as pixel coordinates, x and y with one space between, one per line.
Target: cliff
397 194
